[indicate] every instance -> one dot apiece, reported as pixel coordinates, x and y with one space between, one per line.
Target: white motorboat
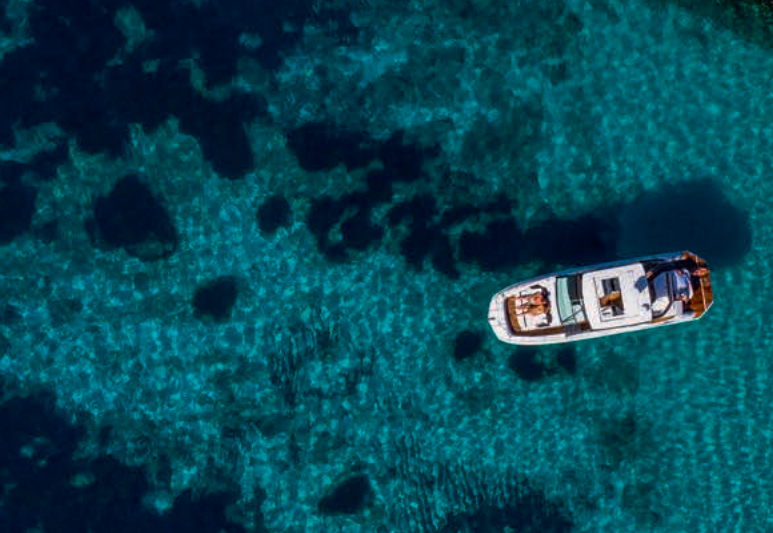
601 300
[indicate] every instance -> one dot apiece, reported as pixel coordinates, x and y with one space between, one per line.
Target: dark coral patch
219 128
323 216
273 213
379 188
348 497
532 512
215 300
47 486
133 218
578 241
403 162
17 206
68 75
320 146
467 344
358 231
500 246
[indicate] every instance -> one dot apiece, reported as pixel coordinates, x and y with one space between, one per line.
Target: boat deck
514 320
523 322
602 300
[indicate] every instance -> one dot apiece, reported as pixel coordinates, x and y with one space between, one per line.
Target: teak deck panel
512 314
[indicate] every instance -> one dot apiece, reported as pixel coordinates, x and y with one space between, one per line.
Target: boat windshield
569 299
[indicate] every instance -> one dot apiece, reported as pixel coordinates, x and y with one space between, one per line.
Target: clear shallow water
207 337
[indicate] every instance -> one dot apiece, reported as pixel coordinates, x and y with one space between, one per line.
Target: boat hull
512 326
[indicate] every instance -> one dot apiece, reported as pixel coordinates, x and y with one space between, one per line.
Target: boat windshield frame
569 302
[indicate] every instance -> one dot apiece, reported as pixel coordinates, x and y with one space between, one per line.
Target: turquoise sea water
256 264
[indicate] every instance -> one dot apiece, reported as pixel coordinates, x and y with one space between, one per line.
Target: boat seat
681 283
544 320
667 287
